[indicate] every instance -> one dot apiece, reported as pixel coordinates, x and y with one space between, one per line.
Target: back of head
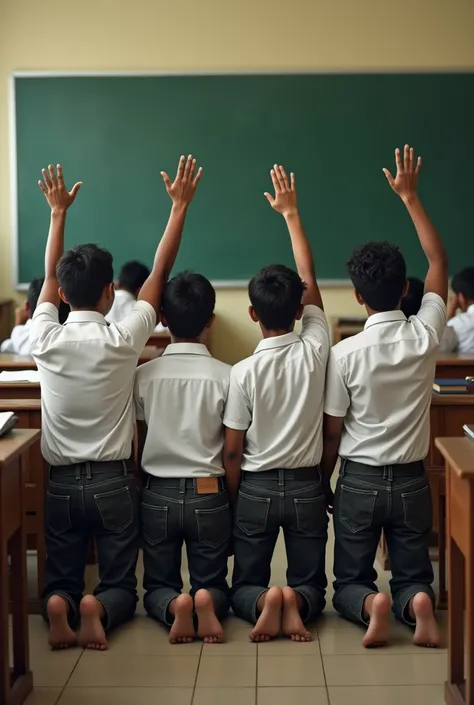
34 290
463 283
275 294
132 277
378 273
411 302
83 273
188 304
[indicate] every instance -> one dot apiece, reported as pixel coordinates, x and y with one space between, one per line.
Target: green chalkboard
335 131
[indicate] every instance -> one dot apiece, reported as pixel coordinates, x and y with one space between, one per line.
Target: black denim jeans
267 501
397 499
172 512
93 501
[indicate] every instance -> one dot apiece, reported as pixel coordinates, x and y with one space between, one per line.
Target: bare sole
209 628
291 623
426 631
61 636
378 630
182 631
92 634
268 624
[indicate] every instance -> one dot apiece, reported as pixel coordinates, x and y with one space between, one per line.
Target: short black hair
34 290
411 303
378 273
83 272
188 303
275 294
463 283
132 276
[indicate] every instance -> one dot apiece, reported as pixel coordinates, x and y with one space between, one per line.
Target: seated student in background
411 304
377 418
180 399
19 341
86 370
461 310
127 287
273 442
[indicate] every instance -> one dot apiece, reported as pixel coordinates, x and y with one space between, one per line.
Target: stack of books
453 386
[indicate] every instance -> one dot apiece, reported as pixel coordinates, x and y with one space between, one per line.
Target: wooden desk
159 340
453 365
343 328
20 390
459 456
448 414
15 683
7 318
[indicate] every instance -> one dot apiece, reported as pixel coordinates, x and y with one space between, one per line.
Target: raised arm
181 192
285 202
59 199
405 185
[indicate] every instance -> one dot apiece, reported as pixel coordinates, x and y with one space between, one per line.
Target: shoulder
350 346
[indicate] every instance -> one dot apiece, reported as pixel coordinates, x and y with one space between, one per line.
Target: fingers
75 189
276 183
189 168
398 161
52 175
292 181
269 198
284 178
418 166
390 178
181 165
59 170
46 178
197 177
279 176
406 159
42 187
166 179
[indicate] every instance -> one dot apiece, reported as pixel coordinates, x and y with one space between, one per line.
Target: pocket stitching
107 526
62 498
263 500
146 536
405 495
305 501
367 493
207 512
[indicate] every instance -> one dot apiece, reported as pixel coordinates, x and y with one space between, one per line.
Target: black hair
83 273
411 303
132 276
188 304
63 311
34 290
275 294
378 273
463 283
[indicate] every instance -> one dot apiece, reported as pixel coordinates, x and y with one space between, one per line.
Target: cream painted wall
224 34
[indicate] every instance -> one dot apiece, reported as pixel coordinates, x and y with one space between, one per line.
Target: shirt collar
384 317
278 341
85 317
124 294
186 349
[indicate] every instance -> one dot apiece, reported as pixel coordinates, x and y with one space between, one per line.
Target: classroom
116 96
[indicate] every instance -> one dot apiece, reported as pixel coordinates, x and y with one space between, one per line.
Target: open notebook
19 376
7 421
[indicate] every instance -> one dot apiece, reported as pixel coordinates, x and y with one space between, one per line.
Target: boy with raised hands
86 370
377 418
273 442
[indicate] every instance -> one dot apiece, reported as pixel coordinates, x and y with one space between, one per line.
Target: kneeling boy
377 417
274 436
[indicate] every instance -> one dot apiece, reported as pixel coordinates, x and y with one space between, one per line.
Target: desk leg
469 638
442 528
455 614
19 603
4 636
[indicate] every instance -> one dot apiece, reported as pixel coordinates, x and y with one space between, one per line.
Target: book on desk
454 385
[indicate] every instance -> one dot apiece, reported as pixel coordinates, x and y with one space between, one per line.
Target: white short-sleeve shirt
381 382
19 341
182 396
277 397
463 326
86 369
124 304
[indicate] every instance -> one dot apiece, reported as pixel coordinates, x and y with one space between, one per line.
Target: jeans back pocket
418 509
58 513
214 525
115 508
356 507
154 523
252 513
311 516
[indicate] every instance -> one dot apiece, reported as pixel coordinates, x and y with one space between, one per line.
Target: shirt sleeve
21 340
449 340
337 399
238 410
433 314
7 346
315 327
137 327
44 324
138 399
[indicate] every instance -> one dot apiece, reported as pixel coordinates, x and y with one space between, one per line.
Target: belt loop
78 471
49 472
390 473
281 478
342 471
89 472
384 476
147 483
124 465
182 485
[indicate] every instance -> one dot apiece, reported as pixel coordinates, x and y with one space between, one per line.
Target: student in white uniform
180 400
127 288
411 304
273 442
461 310
19 341
86 370
377 418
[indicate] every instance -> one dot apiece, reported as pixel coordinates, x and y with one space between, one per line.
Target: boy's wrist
179 208
58 212
291 214
410 198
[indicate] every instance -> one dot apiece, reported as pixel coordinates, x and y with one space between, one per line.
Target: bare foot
268 624
91 633
426 631
209 628
291 623
378 608
61 635
182 631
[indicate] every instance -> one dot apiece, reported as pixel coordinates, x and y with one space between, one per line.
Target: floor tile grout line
69 678
324 671
197 673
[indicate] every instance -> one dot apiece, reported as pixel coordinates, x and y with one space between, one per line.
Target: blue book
450 386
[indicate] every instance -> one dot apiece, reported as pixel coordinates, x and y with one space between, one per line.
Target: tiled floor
142 668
